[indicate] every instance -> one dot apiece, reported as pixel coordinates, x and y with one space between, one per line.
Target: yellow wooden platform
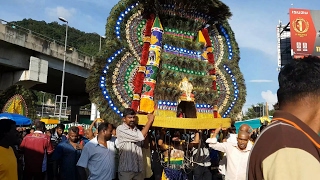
50 121
186 123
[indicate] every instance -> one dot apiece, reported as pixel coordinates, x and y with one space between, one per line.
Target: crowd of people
288 148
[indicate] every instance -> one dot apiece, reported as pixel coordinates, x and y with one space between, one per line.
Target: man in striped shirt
130 141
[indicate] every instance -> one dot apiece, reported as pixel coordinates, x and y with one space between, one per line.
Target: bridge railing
38 42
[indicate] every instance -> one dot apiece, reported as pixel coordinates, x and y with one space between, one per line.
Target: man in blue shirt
98 155
56 138
67 153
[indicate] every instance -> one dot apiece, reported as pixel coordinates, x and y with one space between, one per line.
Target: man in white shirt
232 138
237 154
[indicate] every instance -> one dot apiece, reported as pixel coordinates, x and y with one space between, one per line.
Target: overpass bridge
36 62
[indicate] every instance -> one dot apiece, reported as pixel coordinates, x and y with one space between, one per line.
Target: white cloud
261 81
269 97
60 11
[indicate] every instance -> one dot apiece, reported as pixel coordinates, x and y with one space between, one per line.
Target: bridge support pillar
75 113
37 73
94 112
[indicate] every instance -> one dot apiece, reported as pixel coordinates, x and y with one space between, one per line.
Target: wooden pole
267 110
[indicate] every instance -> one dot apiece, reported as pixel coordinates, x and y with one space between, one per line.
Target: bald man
246 128
237 154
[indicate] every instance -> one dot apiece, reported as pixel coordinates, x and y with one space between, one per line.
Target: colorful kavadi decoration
152 68
175 58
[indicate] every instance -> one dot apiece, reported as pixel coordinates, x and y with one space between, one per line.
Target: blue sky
254 23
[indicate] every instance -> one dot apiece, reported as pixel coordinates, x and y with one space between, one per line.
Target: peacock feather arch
156 48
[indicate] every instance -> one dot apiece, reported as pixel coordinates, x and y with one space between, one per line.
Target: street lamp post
44 93
100 42
64 66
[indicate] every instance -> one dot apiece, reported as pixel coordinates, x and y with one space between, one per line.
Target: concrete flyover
36 62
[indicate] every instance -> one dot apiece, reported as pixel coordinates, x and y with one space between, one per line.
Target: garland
138 82
118 79
181 34
130 31
209 50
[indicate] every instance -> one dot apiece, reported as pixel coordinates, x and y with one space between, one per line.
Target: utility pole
267 110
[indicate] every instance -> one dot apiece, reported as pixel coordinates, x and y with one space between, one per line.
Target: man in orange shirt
8 162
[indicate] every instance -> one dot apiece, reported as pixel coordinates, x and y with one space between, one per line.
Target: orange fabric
81 130
299 128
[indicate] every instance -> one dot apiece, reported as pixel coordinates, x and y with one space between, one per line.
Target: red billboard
305 32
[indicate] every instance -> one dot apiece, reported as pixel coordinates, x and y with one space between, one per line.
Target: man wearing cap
8 138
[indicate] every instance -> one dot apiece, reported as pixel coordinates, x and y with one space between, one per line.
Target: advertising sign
305 32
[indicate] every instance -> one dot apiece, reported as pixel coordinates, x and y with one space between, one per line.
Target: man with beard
237 154
130 142
58 136
67 153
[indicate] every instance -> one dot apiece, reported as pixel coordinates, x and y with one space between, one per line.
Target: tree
85 42
256 111
43 97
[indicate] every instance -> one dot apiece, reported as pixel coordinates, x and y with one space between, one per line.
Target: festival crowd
287 148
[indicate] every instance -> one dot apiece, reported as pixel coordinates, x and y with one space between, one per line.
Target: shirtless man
175 148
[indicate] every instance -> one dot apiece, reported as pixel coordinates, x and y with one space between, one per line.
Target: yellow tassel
146 105
164 177
142 69
209 49
147 39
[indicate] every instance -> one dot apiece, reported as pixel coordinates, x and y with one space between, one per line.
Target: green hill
88 43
